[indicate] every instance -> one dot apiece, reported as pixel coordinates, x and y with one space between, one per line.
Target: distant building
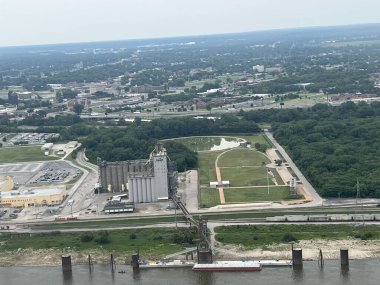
82 101
276 69
145 181
258 68
26 96
146 88
47 146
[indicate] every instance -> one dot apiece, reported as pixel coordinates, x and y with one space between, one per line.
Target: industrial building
145 181
115 207
33 197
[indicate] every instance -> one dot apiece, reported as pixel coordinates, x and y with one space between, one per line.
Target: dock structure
185 251
297 256
66 263
344 260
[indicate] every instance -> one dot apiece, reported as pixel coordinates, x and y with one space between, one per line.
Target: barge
229 266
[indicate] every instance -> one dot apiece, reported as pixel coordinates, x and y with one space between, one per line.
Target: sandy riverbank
358 249
52 257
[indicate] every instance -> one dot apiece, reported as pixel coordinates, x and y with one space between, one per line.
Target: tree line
335 147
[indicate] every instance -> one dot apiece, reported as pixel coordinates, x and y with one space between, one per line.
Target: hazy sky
57 21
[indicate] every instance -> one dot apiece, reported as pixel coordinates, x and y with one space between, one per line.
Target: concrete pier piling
66 263
297 256
135 260
344 260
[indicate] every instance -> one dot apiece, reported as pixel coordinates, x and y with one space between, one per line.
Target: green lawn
261 139
246 176
149 241
23 154
242 157
204 143
256 194
206 162
254 236
209 197
277 176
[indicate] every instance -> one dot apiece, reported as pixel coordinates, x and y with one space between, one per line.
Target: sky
30 22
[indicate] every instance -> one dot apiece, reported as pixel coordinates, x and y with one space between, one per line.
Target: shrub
158 237
103 238
288 238
367 235
86 237
132 236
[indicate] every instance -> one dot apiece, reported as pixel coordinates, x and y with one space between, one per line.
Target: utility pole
358 193
268 180
175 215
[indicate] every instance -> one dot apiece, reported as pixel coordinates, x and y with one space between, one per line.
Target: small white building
215 184
47 146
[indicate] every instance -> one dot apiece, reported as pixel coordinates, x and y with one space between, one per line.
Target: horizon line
186 36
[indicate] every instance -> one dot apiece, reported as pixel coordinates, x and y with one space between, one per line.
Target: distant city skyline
34 22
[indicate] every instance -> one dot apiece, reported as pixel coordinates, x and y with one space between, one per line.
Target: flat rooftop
32 192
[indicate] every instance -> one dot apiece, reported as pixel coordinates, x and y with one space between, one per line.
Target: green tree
78 108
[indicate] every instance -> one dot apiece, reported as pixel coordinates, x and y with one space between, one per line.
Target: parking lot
40 172
12 139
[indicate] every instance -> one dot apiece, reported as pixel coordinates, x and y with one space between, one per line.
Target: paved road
189 189
83 191
309 189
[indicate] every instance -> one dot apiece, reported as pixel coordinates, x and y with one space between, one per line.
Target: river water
360 272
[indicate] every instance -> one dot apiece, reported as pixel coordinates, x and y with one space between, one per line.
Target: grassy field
246 176
206 162
204 143
256 139
209 197
261 235
277 176
258 194
153 241
211 216
23 154
242 157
